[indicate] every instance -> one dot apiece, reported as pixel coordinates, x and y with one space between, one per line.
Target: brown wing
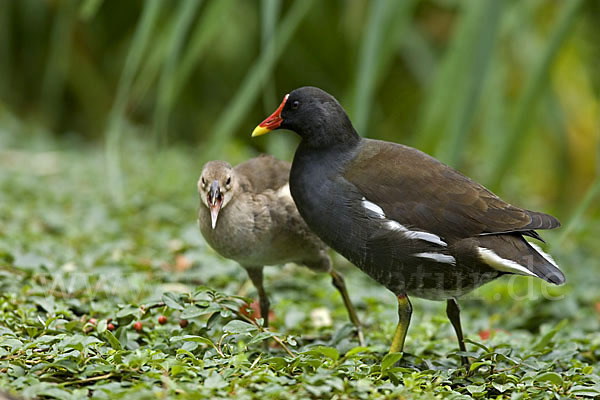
264 172
419 191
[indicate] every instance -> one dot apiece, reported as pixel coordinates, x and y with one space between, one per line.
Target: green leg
338 282
453 312
256 275
404 313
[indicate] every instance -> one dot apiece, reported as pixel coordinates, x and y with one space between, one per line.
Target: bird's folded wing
264 172
422 193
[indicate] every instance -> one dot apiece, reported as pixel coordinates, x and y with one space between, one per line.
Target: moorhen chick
412 223
247 214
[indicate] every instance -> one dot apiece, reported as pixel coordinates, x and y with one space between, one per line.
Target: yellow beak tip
259 131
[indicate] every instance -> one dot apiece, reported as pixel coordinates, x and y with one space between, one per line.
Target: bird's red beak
273 122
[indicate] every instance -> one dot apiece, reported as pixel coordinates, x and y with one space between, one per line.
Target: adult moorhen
247 215
412 223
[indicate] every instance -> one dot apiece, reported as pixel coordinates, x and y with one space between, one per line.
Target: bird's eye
228 181
295 105
203 181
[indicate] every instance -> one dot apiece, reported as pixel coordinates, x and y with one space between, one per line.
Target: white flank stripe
395 226
502 264
428 237
547 256
373 208
441 258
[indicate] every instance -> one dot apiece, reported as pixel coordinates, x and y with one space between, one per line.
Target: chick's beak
271 123
215 201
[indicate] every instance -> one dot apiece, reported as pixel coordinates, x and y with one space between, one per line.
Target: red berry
162 320
93 321
138 326
255 307
110 327
183 323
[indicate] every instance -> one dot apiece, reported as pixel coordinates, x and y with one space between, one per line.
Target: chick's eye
295 105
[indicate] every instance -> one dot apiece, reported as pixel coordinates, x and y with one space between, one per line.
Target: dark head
313 114
216 187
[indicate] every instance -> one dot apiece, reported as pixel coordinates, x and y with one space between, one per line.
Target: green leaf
552 377
13 344
277 363
327 352
237 327
547 338
112 340
479 364
177 369
102 324
355 350
261 337
192 311
193 338
476 389
389 360
55 392
587 391
502 387
171 300
215 381
128 311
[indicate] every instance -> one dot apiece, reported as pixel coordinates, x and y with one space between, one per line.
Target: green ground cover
69 253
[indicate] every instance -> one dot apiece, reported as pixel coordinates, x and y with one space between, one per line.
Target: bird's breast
239 232
326 201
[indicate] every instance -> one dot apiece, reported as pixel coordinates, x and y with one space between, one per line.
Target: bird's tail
511 253
544 265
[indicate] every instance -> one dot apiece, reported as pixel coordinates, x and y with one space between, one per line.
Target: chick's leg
338 281
256 276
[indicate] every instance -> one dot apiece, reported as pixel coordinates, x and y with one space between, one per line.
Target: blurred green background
506 91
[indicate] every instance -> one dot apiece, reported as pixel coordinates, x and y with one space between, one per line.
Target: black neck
341 137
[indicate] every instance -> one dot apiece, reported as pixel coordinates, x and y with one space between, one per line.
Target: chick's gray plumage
260 224
247 214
